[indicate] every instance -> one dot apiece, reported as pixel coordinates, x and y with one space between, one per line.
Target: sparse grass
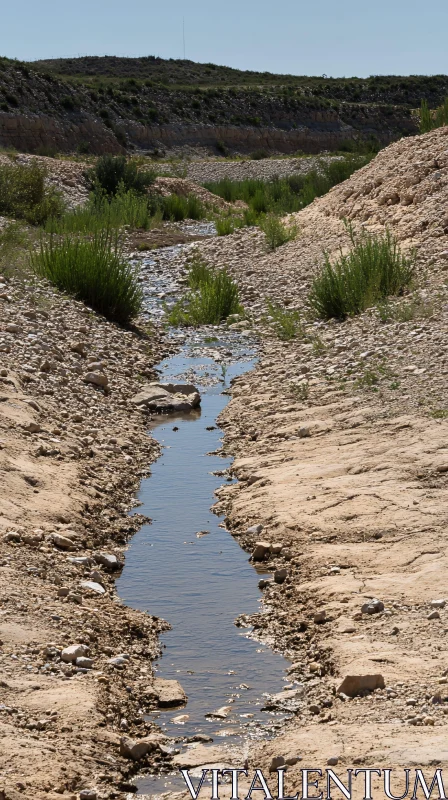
15 241
113 174
228 225
300 391
213 297
440 413
374 268
287 323
93 271
24 193
406 311
277 233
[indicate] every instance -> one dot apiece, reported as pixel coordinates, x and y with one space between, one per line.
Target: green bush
93 271
213 298
286 322
24 193
429 120
374 269
115 173
176 208
277 233
100 212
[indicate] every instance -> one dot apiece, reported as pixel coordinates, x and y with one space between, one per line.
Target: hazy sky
303 37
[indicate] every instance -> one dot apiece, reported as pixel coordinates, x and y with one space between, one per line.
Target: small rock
333 761
109 561
254 530
372 607
260 550
74 651
320 617
276 763
63 542
353 685
136 750
84 663
280 575
96 378
93 587
433 615
88 794
169 692
438 603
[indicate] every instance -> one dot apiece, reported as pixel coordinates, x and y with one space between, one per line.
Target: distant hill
157 105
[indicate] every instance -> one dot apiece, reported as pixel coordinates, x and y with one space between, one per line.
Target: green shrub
227 225
286 322
277 233
25 195
115 173
176 208
125 208
213 298
429 120
373 269
93 271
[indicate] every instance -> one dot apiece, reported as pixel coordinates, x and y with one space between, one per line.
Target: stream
185 566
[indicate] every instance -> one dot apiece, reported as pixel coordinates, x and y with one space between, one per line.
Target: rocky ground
265 169
340 437
76 664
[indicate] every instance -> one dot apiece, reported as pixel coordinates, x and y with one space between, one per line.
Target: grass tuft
212 298
374 269
277 233
93 271
287 322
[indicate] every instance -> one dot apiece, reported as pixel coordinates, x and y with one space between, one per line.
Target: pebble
320 616
433 615
74 651
276 763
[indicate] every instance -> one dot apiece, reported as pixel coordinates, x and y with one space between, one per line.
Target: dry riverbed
340 440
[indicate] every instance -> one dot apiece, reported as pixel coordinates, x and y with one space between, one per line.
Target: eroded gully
185 566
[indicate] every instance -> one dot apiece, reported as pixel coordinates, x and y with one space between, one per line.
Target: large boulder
168 397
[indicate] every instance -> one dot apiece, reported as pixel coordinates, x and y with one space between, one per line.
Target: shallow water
200 584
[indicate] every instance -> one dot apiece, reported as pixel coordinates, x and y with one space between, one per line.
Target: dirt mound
67 176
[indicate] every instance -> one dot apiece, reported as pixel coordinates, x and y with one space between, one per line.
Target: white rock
74 651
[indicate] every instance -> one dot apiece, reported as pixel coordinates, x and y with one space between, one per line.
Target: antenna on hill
183 33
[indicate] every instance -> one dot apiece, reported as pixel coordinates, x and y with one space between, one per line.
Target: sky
301 37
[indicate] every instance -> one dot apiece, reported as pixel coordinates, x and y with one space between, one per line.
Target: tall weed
373 269
93 271
213 297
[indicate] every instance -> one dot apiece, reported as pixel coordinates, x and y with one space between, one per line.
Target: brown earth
341 447
341 444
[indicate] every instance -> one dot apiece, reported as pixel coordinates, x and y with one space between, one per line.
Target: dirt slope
71 457
342 454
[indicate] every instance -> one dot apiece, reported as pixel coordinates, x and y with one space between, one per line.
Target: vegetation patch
286 322
24 194
113 174
374 268
286 195
92 270
213 297
277 232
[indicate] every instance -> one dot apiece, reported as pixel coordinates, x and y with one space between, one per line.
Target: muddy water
185 567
